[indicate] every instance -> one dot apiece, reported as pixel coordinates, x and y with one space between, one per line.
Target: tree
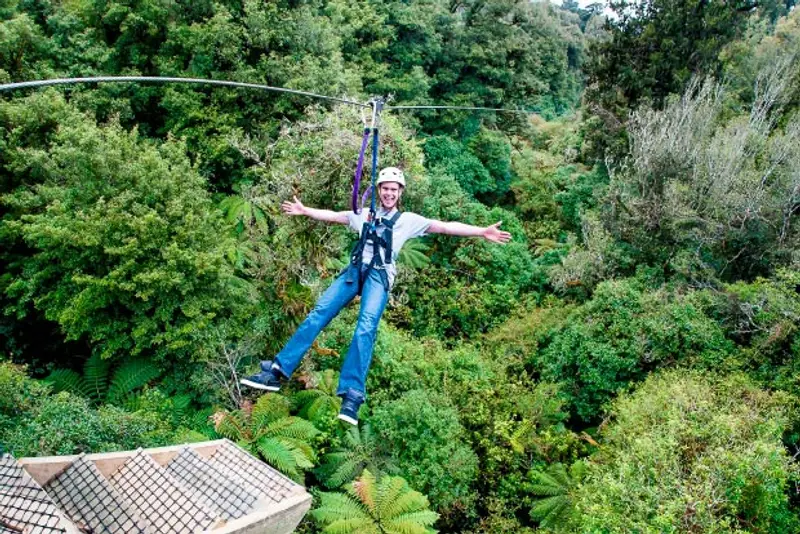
656 46
692 452
111 237
266 429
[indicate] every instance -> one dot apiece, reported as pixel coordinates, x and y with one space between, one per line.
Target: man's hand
293 208
494 234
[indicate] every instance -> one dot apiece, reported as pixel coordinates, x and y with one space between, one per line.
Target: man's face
390 193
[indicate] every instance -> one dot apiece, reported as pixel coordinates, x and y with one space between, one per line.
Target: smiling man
370 274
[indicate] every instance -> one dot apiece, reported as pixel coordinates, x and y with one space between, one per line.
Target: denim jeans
337 296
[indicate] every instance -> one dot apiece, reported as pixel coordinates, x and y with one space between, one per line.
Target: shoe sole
256 385
348 419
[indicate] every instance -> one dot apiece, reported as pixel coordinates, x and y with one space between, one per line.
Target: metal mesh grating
210 484
84 494
260 479
159 498
24 505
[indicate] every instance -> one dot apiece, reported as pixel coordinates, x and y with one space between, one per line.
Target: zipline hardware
377 104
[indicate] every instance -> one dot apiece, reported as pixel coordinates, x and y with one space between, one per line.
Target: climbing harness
381 243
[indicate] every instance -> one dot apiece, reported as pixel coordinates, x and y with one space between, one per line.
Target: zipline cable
164 79
225 83
463 108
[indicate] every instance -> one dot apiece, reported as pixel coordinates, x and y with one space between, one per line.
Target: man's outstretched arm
297 208
491 233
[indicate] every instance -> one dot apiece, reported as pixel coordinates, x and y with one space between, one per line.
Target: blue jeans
337 296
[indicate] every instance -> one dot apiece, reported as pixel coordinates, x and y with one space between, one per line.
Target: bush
428 445
692 452
66 424
620 335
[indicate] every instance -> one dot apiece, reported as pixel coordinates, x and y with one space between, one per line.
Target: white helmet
391 174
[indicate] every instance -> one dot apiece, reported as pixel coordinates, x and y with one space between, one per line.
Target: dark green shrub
620 335
429 446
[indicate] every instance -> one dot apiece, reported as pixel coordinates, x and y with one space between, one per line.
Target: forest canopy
630 361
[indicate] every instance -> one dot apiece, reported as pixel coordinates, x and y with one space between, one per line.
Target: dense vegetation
630 362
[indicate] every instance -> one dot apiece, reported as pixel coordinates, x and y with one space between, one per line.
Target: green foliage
125 248
266 429
656 45
427 442
362 449
692 452
319 402
386 505
619 336
688 203
95 384
64 424
763 317
19 396
452 158
555 487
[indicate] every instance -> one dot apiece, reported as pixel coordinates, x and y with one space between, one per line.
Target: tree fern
320 404
128 377
361 449
67 380
383 506
555 509
413 254
94 384
284 441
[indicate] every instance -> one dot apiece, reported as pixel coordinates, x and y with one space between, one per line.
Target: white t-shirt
408 226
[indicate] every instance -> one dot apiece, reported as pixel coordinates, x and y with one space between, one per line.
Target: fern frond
412 522
305 453
520 439
551 510
95 374
233 426
364 489
279 456
352 526
130 376
409 502
341 469
67 380
389 489
559 474
291 427
339 506
413 254
268 408
180 405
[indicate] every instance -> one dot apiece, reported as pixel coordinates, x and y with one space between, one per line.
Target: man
370 274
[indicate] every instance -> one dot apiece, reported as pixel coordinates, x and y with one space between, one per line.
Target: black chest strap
369 233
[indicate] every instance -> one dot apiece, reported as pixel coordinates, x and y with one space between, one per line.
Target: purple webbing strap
359 170
367 193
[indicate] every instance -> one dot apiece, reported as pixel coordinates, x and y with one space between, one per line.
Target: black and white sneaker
269 379
351 402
